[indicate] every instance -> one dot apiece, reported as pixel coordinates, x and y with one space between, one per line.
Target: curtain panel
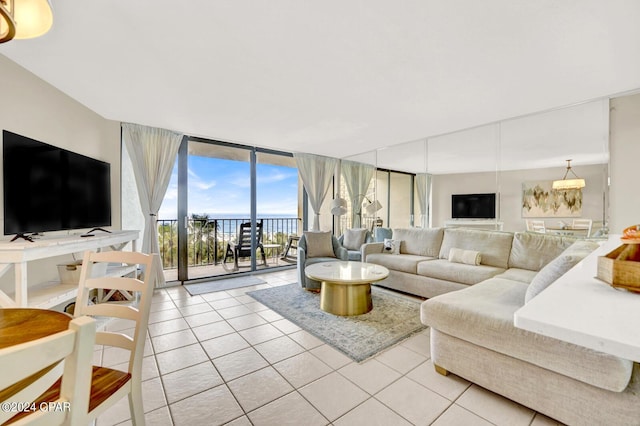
357 178
423 188
153 152
316 172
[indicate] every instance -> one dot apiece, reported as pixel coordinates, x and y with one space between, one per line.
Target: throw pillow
319 244
551 272
354 238
468 257
391 246
559 266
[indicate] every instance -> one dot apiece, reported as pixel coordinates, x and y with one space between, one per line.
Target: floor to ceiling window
216 188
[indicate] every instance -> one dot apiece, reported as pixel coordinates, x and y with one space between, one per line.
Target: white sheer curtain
423 186
316 173
153 153
357 177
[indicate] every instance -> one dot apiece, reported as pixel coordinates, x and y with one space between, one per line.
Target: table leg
345 300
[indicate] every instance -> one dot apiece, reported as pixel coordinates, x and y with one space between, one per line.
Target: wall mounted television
473 206
47 188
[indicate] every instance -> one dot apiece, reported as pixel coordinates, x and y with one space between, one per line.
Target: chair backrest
583 224
536 226
20 366
138 314
244 235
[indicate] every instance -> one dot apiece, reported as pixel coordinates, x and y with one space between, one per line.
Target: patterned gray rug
393 319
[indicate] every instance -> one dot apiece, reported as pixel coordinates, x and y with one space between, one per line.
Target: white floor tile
203 318
456 415
401 359
494 408
261 333
246 321
180 358
166 327
224 345
372 376
278 349
371 413
330 356
306 339
190 381
239 363
333 395
259 388
451 386
302 369
412 401
166 342
215 406
292 409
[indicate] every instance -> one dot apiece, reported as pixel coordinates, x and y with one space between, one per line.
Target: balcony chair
28 369
242 246
108 386
583 224
315 247
353 239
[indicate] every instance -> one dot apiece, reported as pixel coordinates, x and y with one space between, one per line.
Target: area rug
392 319
220 285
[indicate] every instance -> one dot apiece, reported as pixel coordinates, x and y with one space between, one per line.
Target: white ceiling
333 77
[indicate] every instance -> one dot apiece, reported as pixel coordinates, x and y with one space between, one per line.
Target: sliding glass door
234 208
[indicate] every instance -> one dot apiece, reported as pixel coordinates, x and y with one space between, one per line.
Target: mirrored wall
514 161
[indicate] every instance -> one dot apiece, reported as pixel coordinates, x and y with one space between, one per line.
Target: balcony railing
207 239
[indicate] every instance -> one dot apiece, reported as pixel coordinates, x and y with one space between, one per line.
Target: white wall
33 108
625 162
508 184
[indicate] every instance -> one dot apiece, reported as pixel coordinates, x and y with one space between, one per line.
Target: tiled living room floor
223 358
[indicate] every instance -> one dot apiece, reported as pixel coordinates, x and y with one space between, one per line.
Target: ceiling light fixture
565 184
22 19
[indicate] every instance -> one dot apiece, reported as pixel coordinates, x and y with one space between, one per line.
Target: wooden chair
536 226
583 224
108 386
25 374
242 246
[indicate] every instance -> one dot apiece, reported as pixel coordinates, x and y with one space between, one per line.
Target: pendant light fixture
571 183
21 19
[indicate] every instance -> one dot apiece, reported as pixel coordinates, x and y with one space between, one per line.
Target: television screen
47 188
473 206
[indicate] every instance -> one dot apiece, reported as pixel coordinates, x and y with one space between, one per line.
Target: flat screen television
47 188
473 206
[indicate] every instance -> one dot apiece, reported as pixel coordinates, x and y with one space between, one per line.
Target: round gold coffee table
346 285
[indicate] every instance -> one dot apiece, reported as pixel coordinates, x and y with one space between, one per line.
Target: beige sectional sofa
422 266
472 331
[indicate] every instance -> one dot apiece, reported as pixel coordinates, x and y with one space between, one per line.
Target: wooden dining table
21 325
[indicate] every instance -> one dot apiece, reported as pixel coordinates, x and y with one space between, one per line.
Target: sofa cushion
558 267
494 246
457 272
483 315
379 234
517 274
355 255
468 257
354 238
400 262
319 244
419 241
531 250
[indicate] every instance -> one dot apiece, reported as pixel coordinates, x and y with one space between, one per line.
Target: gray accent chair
355 254
309 284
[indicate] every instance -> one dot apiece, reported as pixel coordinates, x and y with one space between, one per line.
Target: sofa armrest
302 259
370 248
342 253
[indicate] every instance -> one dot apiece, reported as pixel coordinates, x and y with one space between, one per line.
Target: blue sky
223 187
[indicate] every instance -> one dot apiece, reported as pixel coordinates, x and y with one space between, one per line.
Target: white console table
580 309
474 223
18 253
